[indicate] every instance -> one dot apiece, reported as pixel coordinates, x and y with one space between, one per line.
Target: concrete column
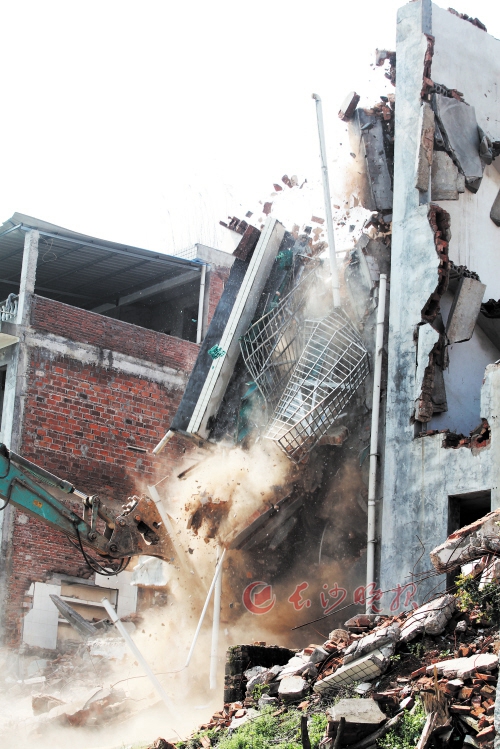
28 276
12 424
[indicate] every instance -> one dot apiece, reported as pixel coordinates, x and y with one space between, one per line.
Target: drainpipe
215 628
205 607
372 481
328 203
201 303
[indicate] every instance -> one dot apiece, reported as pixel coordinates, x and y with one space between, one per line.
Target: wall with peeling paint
420 473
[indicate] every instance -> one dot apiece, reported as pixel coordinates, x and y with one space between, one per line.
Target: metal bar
372 479
328 203
12 228
137 653
170 259
215 628
201 304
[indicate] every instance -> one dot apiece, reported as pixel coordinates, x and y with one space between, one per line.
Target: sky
147 122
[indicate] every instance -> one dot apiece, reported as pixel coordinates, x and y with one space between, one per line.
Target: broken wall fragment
459 128
425 147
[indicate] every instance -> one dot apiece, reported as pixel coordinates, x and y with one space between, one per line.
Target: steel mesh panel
333 364
273 344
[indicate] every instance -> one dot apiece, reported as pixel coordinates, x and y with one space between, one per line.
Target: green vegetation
483 605
407 733
259 690
265 731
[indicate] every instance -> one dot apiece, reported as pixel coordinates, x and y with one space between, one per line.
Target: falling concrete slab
459 129
430 618
363 669
425 147
495 210
465 310
348 106
372 136
446 181
362 717
243 309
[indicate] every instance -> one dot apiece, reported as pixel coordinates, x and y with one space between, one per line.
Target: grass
265 731
407 733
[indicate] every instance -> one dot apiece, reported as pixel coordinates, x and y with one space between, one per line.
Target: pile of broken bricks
375 658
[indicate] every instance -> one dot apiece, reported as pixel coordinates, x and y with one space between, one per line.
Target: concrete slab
446 181
431 618
465 310
458 126
463 668
362 717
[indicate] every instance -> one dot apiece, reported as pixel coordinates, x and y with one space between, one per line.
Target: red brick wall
218 278
79 420
48 316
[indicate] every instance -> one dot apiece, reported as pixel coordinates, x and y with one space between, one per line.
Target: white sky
147 122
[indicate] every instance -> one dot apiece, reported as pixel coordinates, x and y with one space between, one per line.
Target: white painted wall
40 624
464 378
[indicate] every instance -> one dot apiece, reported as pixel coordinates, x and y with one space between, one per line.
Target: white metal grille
272 346
333 364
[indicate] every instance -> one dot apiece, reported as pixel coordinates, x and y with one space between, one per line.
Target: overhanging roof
85 271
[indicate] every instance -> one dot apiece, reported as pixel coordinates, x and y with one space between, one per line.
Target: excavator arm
137 529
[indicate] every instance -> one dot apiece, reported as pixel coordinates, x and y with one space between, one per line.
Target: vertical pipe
328 203
137 653
372 480
215 628
205 607
201 304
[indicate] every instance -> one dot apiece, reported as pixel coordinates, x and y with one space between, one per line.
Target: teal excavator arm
136 529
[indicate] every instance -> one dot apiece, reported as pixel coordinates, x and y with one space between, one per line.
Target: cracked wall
421 471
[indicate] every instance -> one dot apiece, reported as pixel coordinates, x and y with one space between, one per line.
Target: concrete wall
419 473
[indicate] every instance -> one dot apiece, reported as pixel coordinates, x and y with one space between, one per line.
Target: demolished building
272 360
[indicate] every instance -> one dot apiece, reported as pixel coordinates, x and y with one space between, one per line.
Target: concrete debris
458 126
431 618
464 668
293 688
467 544
464 310
84 628
384 639
42 703
361 718
446 181
348 106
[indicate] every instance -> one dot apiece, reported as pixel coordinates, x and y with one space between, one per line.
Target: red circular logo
258 598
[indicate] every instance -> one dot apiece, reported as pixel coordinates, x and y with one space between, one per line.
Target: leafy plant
259 690
483 604
407 733
417 649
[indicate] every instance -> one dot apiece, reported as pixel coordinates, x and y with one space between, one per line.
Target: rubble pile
435 659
